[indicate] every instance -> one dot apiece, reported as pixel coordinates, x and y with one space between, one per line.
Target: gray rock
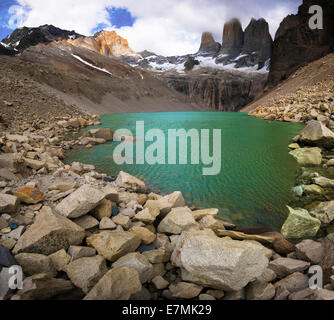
218 263
80 202
324 212
138 262
178 220
160 283
34 263
114 244
286 266
300 224
185 290
50 233
86 272
130 183
107 224
292 283
310 250
260 291
77 252
86 222
316 133
42 287
8 203
116 284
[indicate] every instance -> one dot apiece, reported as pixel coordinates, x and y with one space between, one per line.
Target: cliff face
258 38
208 44
224 91
107 43
296 44
233 37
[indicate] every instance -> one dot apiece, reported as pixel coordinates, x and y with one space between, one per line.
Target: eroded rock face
107 43
296 44
50 232
208 44
219 263
258 39
233 37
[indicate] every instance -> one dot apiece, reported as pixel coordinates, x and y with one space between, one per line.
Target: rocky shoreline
80 234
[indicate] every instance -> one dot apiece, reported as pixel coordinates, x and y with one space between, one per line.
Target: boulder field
80 234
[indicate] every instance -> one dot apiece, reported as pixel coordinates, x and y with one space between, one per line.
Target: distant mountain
25 37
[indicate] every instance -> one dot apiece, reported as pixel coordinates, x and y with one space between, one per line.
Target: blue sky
165 27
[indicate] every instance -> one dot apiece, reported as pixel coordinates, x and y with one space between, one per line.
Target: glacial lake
257 173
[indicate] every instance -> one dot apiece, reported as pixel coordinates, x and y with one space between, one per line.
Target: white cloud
166 27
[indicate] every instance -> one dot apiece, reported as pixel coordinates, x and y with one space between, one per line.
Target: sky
167 27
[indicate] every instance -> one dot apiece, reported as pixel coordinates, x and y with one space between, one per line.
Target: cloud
166 27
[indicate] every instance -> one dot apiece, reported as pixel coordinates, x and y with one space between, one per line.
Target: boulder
103 210
218 263
101 133
116 284
42 287
138 262
260 291
144 234
310 250
60 259
34 263
148 215
160 283
77 252
160 255
130 182
107 224
323 182
162 204
86 272
34 164
307 156
49 233
324 212
114 244
199 214
29 195
185 290
80 202
178 220
300 224
316 133
286 266
294 282
8 203
86 222
175 199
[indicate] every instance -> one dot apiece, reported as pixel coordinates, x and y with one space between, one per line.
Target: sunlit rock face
208 44
107 43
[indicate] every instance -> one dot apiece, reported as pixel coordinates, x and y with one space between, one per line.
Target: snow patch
91 65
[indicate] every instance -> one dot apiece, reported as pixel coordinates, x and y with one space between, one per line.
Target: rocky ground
80 234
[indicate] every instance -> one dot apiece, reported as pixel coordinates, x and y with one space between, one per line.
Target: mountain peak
208 43
233 37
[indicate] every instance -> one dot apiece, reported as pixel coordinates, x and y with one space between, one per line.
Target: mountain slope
91 81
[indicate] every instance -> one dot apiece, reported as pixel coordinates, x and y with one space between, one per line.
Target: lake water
257 172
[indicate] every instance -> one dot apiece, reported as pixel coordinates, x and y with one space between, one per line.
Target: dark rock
233 37
25 37
6 258
208 44
296 44
190 64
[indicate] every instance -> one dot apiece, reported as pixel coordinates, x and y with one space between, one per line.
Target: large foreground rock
300 224
86 272
178 220
114 244
116 284
307 156
316 133
130 182
80 202
219 263
42 287
50 233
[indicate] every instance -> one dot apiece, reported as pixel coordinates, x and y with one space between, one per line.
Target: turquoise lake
257 172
